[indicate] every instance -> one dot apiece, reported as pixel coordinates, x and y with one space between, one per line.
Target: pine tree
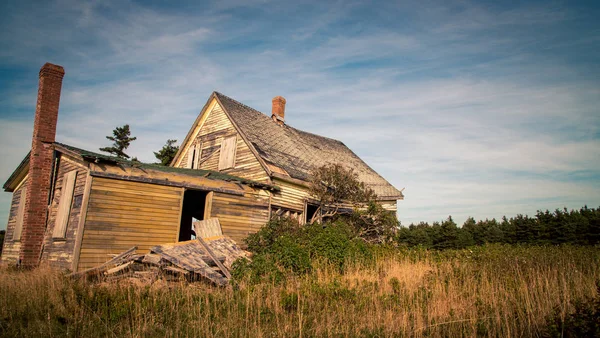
167 153
122 140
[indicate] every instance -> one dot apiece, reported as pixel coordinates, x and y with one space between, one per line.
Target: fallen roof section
97 158
189 260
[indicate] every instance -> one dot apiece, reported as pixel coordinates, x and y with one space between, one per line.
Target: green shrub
263 240
291 255
262 267
584 321
282 246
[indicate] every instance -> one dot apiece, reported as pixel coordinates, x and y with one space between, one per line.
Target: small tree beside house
122 139
336 188
166 154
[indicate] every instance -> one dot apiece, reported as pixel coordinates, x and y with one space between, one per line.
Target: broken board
189 256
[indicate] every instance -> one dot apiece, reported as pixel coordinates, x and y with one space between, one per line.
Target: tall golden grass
489 291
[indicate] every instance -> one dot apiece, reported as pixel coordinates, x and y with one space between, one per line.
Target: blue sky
475 108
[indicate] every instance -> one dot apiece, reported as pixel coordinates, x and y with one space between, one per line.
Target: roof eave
18 175
245 138
189 134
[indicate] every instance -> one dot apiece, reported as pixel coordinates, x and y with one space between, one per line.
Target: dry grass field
493 290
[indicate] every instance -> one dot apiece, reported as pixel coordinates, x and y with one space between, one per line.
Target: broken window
64 205
197 152
193 158
281 212
20 213
227 155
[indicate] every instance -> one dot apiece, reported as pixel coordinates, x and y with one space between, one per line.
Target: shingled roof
298 152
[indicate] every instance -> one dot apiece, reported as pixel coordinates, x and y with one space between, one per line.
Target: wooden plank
64 206
207 228
20 213
176 270
81 224
138 202
228 151
99 268
214 184
126 222
176 238
190 157
214 258
137 186
103 214
197 151
227 247
208 205
128 191
118 268
153 259
125 209
188 257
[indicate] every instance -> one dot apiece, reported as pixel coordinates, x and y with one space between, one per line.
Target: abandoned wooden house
71 208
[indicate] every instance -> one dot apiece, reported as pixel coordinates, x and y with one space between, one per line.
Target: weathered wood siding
240 215
122 214
389 205
59 252
215 128
292 196
11 247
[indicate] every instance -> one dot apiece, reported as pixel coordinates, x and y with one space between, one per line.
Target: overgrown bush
374 224
283 247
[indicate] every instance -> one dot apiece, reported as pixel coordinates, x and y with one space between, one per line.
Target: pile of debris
208 259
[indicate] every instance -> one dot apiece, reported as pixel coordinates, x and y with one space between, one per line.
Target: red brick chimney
40 164
278 111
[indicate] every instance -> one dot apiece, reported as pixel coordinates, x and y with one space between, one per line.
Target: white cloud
456 107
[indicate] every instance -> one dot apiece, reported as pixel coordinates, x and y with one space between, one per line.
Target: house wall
292 196
215 127
59 252
122 214
11 247
240 215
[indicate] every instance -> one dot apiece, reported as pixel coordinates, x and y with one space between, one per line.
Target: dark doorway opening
311 209
194 202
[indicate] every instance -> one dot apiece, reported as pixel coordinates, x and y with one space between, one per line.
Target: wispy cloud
476 109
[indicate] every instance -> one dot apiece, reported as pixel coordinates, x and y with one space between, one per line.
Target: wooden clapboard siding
215 127
11 247
58 252
389 205
240 215
291 196
122 214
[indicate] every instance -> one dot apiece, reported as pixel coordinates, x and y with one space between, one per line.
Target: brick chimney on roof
40 164
278 111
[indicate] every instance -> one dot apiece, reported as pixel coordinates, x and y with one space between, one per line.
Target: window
20 213
197 152
193 159
227 155
64 205
278 212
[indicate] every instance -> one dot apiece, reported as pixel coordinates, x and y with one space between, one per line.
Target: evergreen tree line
580 227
